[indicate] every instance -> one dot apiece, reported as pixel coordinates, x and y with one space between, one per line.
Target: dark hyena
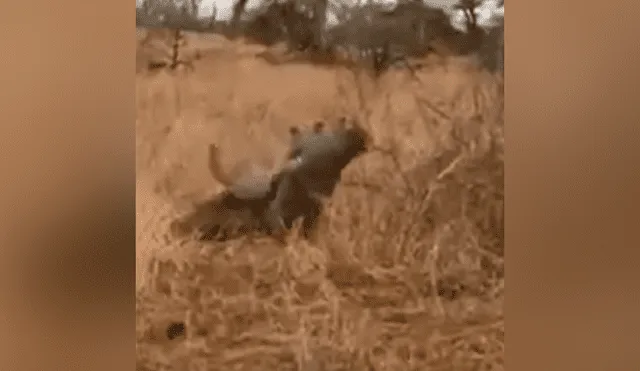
268 202
314 167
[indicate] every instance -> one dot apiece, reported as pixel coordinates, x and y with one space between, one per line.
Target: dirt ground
398 280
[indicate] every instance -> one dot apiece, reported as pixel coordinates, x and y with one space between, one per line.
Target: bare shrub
165 48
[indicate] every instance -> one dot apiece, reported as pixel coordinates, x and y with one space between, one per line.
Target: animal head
347 139
357 136
297 136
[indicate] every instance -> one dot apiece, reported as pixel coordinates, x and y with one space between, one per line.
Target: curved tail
215 167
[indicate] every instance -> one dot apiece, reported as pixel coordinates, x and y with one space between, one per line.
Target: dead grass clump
406 273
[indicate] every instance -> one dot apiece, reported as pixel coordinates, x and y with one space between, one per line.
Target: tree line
364 31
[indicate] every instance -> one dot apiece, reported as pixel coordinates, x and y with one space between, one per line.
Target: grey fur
314 168
259 201
254 183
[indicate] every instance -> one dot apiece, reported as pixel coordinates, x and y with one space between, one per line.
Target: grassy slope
384 285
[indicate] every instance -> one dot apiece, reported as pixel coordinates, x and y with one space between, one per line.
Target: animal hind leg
310 220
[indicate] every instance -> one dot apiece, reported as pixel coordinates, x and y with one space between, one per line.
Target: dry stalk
426 200
433 277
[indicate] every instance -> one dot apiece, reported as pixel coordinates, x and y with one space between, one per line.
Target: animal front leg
274 217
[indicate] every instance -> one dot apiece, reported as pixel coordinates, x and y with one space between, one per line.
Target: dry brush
407 274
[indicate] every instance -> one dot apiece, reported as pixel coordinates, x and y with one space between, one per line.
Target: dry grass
407 272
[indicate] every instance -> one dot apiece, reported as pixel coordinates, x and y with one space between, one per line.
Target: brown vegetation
407 269
407 272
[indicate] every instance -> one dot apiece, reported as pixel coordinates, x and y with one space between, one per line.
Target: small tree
238 9
473 39
469 8
213 17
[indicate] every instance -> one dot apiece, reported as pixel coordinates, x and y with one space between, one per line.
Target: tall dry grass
407 271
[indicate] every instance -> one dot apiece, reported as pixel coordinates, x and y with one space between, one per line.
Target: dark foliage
372 34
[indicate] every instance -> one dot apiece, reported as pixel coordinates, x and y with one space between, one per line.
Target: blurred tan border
572 183
67 154
572 75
